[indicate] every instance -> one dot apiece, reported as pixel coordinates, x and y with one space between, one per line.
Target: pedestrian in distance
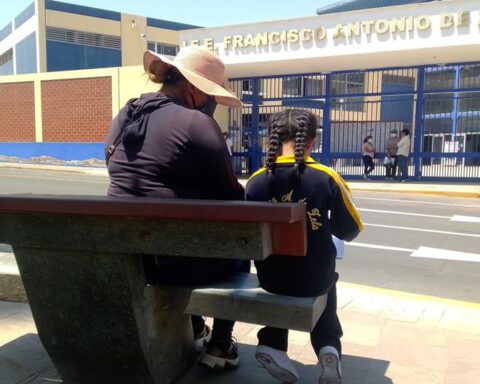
388 163
166 144
291 175
228 142
402 153
368 153
391 150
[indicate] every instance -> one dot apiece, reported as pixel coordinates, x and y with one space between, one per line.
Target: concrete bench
80 259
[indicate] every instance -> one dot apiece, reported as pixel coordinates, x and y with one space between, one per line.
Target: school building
363 67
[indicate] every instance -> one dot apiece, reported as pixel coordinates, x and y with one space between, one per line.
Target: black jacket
169 151
330 210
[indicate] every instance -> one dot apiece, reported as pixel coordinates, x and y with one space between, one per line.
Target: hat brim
222 93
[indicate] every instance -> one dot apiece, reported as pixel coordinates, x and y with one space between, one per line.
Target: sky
207 13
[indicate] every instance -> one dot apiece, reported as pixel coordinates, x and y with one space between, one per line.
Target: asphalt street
420 244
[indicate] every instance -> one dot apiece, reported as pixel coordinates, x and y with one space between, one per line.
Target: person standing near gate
402 153
228 142
368 152
391 152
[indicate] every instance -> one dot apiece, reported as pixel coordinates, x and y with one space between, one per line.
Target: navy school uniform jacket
330 210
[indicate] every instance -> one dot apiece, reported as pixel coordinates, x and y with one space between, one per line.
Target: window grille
6 57
83 38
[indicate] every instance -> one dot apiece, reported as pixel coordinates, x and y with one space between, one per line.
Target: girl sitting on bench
290 175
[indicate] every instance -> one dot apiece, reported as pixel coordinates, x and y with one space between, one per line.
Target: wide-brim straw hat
199 66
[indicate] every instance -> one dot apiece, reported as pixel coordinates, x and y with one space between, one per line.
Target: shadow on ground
24 361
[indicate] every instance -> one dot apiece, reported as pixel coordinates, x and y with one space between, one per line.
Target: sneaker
365 177
277 363
404 180
202 338
220 355
329 361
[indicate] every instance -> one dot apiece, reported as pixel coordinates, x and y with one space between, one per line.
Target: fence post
417 144
256 156
325 157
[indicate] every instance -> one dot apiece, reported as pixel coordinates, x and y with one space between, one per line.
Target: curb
57 168
11 288
465 191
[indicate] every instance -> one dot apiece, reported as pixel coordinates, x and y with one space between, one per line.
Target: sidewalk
435 188
389 337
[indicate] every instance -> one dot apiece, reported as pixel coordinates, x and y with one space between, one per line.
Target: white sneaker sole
218 363
330 369
279 373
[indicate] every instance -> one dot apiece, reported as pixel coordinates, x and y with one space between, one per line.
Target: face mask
393 135
370 141
209 107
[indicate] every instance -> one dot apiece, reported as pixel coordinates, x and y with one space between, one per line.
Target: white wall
434 44
18 34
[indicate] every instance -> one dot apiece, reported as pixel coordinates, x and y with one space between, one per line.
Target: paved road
410 242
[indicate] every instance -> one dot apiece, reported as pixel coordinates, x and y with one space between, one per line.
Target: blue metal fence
440 105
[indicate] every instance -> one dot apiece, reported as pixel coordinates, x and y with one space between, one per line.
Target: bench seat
240 298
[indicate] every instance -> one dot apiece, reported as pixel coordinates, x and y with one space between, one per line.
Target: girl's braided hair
290 125
293 125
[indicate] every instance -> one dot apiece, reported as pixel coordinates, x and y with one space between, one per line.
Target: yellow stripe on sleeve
344 189
261 170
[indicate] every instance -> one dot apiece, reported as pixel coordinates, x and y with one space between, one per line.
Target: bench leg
98 321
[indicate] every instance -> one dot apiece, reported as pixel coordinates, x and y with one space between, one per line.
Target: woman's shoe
220 355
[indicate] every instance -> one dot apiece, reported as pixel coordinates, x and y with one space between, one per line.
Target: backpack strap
118 139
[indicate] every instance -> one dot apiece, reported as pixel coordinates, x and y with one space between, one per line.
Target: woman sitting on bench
166 144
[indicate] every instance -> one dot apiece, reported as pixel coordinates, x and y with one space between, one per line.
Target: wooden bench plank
184 209
240 298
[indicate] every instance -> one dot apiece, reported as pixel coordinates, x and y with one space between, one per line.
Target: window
302 86
391 83
348 83
68 49
469 102
441 78
356 104
470 76
83 38
6 57
163 49
6 63
313 87
435 104
292 86
5 31
247 89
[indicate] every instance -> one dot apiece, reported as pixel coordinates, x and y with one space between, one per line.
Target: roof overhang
427 33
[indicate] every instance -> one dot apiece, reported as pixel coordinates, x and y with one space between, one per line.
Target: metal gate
440 105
